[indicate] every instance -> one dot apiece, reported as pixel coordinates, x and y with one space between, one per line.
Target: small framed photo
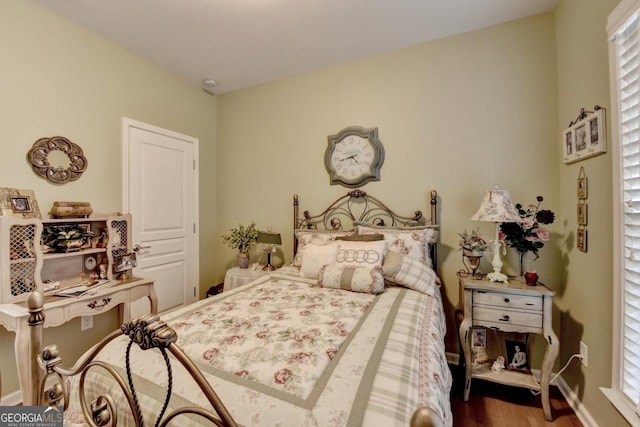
569 146
124 262
582 213
479 338
18 203
21 204
581 239
586 137
582 187
517 355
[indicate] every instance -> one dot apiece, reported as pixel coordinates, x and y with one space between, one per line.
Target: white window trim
618 17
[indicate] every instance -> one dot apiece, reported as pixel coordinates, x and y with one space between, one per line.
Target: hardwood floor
494 405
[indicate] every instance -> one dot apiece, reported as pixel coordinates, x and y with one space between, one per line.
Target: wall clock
354 156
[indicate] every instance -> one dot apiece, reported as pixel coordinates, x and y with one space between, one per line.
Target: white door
160 190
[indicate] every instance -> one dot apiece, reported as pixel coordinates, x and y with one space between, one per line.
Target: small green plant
242 237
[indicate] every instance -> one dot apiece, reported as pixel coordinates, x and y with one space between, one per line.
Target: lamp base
496 276
268 267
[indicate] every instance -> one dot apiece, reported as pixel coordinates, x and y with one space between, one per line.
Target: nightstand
512 307
237 276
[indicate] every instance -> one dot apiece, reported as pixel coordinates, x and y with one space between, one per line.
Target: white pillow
357 279
319 237
314 256
361 254
411 241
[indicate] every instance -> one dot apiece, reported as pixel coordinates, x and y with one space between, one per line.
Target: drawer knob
505 318
506 300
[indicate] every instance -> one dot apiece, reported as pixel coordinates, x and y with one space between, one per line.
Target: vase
522 255
243 258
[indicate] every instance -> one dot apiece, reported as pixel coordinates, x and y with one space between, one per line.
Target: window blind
627 68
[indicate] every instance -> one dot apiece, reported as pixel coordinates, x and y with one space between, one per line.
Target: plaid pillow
410 273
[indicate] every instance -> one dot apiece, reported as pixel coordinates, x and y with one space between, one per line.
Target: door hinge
194 228
194 164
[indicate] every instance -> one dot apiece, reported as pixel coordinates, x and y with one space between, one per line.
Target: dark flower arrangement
528 236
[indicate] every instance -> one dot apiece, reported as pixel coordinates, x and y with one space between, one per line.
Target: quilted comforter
283 352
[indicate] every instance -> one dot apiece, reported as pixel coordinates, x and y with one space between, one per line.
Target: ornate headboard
357 205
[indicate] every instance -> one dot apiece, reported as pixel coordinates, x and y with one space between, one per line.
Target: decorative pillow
411 241
318 237
313 256
357 279
361 254
408 272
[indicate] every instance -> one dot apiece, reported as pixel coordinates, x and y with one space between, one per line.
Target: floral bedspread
281 352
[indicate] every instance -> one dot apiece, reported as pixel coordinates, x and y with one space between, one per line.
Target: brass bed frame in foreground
151 333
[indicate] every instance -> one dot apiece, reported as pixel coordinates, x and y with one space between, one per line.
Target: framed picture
18 203
586 137
517 355
124 262
569 146
582 187
582 213
479 338
21 204
581 239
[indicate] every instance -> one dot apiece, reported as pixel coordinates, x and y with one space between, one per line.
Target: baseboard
572 399
11 399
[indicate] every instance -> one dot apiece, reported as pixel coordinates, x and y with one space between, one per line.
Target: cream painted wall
60 79
459 115
586 303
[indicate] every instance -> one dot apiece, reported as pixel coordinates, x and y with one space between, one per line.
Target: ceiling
240 43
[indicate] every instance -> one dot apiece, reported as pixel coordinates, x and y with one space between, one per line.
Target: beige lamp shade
496 206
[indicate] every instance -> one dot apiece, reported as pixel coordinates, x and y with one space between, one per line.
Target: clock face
354 157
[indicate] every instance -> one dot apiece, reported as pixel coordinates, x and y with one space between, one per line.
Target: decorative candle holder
471 264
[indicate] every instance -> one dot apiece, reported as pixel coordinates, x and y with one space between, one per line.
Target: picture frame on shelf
19 203
479 338
517 356
586 137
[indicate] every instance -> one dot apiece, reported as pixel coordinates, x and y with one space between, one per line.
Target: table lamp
271 240
496 207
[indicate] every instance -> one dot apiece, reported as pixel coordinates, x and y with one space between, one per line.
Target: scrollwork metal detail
149 331
40 158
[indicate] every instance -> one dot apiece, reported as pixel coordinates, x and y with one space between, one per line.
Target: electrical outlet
583 352
86 322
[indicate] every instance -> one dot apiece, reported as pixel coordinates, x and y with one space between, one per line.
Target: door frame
127 124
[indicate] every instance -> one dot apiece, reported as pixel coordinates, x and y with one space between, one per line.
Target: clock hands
352 157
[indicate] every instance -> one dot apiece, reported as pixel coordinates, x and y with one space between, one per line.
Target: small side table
508 307
237 276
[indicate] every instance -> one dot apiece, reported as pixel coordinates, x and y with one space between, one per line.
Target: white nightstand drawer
506 317
506 300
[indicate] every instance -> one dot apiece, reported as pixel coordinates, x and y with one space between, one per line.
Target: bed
350 334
